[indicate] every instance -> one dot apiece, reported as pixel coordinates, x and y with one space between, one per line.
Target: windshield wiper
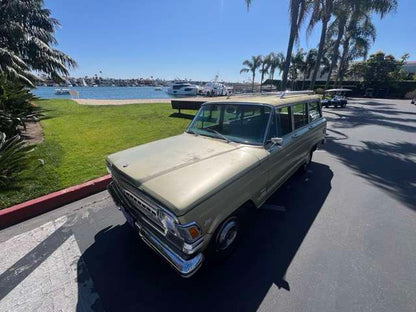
218 134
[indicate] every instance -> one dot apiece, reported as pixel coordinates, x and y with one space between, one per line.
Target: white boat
183 88
62 91
216 88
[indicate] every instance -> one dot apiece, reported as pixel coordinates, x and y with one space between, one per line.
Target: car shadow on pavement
389 166
129 276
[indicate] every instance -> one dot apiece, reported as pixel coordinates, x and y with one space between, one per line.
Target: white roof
338 90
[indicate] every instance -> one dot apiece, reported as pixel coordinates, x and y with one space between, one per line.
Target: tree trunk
345 51
252 84
292 37
320 52
335 55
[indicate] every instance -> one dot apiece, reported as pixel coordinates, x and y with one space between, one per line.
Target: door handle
295 135
310 127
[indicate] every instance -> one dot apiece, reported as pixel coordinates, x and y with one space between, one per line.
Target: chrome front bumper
185 267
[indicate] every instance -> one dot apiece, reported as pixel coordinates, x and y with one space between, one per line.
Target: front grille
138 201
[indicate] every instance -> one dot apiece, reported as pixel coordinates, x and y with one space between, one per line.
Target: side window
300 116
314 111
283 121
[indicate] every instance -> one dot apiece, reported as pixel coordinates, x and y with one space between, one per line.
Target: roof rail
287 92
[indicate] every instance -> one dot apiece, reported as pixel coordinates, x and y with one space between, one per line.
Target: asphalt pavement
346 240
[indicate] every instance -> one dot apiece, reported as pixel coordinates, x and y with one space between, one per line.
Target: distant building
409 67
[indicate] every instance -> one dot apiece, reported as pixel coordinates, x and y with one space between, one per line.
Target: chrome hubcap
227 235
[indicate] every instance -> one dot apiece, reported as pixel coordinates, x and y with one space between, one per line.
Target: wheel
344 105
307 162
226 237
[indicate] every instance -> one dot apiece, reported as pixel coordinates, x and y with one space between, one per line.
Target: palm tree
297 65
264 70
321 11
26 42
276 61
310 62
252 66
349 11
297 12
356 43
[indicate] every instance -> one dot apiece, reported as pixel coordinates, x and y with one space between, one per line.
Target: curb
37 206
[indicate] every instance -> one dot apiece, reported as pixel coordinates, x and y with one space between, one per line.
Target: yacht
183 88
62 91
216 88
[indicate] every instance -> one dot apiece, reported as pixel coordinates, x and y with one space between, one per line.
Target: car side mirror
276 141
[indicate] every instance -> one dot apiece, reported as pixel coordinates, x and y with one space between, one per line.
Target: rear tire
307 162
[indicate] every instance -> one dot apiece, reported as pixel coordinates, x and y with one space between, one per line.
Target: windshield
232 122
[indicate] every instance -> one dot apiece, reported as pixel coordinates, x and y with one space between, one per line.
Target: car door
281 157
300 136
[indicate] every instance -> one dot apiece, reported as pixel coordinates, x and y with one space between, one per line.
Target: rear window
314 111
300 116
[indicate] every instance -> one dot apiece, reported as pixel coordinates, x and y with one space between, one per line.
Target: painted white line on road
53 285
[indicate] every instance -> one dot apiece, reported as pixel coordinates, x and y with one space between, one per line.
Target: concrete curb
37 206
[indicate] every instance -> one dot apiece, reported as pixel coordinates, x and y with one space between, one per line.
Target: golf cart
335 97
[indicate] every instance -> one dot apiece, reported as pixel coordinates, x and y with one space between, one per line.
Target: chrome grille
140 204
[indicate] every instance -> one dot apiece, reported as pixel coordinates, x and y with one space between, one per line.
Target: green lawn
78 138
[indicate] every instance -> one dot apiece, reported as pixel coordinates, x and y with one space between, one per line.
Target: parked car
186 195
335 97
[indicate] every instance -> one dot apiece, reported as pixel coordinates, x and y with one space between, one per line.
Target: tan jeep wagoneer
184 194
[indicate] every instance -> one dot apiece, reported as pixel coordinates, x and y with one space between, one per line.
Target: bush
410 95
13 158
16 107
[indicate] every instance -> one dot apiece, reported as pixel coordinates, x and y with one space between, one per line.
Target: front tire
226 237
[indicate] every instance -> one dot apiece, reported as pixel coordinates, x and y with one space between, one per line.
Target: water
113 93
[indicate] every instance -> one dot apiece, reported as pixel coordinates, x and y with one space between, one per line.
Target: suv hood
183 170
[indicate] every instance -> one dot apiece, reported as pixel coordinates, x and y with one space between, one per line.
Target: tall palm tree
321 11
252 66
297 12
26 42
356 43
349 11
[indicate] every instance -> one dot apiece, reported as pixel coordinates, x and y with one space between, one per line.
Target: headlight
189 232
169 223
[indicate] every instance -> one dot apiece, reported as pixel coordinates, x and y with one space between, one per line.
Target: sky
194 39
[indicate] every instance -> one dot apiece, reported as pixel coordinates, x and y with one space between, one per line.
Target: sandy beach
119 102
138 101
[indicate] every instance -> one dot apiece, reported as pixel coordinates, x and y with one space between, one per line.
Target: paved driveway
347 241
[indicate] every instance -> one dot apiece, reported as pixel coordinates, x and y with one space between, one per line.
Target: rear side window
314 111
300 115
283 121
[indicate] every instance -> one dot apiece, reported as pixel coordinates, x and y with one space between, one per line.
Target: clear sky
194 39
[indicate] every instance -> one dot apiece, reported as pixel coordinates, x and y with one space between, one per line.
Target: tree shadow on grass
129 276
387 165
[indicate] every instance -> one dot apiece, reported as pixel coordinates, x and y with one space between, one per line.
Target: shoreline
119 102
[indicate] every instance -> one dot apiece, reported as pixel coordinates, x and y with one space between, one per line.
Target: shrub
410 95
13 158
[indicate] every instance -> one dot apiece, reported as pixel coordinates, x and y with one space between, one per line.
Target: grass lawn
79 137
